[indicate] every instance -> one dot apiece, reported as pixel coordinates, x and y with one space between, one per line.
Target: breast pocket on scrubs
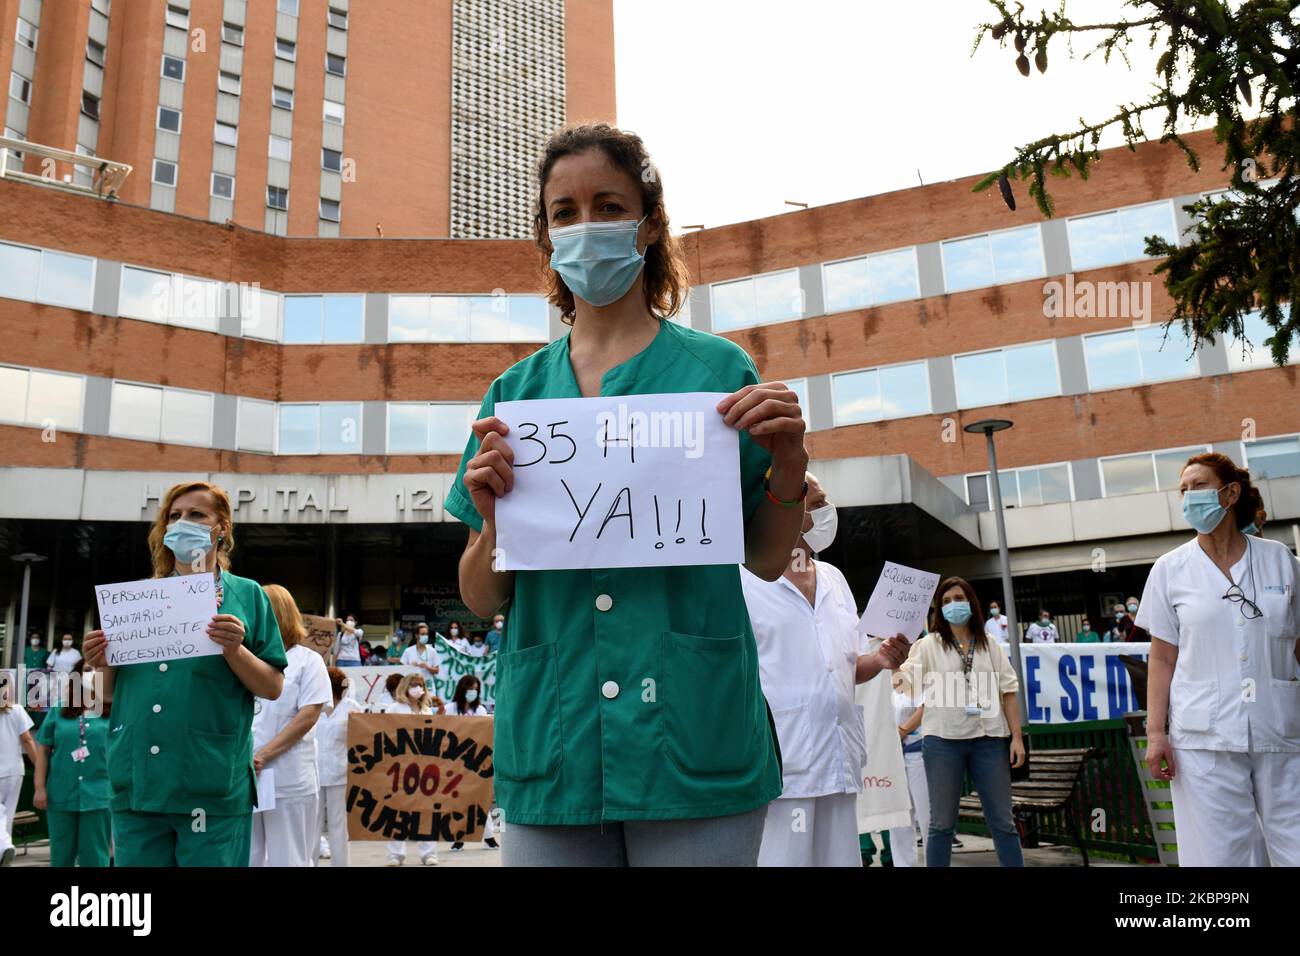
708 703
527 731
1281 635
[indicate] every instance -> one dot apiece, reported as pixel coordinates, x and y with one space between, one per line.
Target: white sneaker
395 861
7 857
324 849
429 859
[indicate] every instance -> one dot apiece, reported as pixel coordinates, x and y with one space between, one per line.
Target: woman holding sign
180 744
411 697
1223 612
631 728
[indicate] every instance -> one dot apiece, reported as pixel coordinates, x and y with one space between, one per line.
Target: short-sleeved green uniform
631 693
34 658
180 752
77 790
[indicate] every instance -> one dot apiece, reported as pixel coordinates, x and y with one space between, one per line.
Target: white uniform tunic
14 722
331 769
1234 701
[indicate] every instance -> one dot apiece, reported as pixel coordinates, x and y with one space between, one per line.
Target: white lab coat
331 769
63 660
1234 700
997 628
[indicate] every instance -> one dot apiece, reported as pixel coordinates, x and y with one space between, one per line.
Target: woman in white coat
412 698
1223 612
15 738
332 768
468 702
284 743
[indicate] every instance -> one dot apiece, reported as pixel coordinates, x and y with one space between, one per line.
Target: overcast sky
747 103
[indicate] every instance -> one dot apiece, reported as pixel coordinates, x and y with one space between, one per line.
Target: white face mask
36 642
825 522
416 692
455 631
67 642
471 695
499 625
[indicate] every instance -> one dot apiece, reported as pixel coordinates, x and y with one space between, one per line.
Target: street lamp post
988 426
28 559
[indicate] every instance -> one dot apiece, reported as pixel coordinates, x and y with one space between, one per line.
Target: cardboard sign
320 633
620 482
899 603
413 777
158 619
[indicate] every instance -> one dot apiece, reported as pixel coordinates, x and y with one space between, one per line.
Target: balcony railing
106 176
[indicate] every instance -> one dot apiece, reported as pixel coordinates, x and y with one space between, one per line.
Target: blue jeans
347 663
988 760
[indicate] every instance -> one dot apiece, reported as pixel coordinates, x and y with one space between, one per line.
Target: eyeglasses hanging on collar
1248 608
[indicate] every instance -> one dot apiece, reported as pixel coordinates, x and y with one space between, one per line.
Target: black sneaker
492 843
458 846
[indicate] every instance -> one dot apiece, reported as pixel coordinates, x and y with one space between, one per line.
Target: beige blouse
934 673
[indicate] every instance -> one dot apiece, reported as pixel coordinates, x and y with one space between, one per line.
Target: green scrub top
648 708
1088 637
35 658
75 786
181 733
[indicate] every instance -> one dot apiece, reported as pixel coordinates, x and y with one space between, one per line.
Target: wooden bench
1053 777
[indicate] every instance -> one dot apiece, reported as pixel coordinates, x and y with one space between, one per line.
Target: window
775 297
1107 238
327 428
870 280
1006 375
232 34
429 428
20 88
1137 356
225 134
95 52
1273 457
280 148
169 119
228 83
223 187
992 259
90 106
151 413
27 34
255 425
1251 352
331 159
178 17
277 198
281 97
66 280
335 64
288 7
173 68
329 210
164 173
33 397
19 269
1022 487
328 318
168 298
259 313
285 50
453 318
1145 472
875 394
333 112
338 18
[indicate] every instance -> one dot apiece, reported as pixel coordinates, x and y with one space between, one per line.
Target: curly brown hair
665 278
1249 506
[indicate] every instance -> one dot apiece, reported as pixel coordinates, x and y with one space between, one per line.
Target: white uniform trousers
1223 800
284 836
10 787
902 840
397 848
811 831
332 820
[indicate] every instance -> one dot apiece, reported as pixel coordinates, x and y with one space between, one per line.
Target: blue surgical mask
1251 528
471 695
958 612
598 261
188 540
423 638
1201 509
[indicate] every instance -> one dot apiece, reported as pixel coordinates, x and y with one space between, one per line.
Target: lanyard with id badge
82 752
967 669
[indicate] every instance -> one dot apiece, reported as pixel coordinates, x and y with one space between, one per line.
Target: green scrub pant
78 836
169 839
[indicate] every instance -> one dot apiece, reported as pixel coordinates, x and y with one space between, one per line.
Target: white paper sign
159 619
265 790
899 603
620 482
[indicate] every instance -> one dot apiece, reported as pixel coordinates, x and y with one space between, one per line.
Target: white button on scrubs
609 689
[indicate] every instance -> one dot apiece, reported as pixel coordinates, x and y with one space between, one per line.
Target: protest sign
158 619
320 633
265 790
899 603
366 684
620 482
418 777
1071 683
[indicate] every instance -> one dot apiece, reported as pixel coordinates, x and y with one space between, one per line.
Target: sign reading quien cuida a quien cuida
620 482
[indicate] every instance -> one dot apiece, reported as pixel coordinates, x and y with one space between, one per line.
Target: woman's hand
490 474
40 800
259 761
227 631
771 414
95 649
1159 749
1017 750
